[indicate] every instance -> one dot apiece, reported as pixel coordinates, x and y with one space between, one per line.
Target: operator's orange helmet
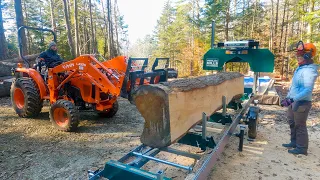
307 50
309 47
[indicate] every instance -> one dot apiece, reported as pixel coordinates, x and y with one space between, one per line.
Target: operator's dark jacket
51 58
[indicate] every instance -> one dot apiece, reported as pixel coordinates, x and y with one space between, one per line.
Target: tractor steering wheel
54 64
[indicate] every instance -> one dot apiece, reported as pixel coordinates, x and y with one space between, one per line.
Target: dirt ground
33 149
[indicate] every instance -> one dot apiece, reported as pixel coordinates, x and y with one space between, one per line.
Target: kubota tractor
80 84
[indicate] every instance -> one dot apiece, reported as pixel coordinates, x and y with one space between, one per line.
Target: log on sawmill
170 109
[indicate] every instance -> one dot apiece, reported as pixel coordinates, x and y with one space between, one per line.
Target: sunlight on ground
253 151
260 142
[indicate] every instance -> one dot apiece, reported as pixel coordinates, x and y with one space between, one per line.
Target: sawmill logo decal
212 62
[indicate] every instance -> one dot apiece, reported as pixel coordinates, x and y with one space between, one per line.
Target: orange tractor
80 84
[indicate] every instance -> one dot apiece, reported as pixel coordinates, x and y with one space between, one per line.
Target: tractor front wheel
64 115
25 98
110 112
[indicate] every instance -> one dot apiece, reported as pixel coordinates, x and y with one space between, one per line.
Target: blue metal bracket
115 170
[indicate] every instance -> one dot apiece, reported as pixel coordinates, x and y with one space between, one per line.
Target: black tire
110 112
64 116
25 98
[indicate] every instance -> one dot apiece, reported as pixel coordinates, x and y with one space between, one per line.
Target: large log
5 68
30 58
8 64
170 109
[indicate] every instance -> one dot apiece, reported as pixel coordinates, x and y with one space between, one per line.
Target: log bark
170 109
31 58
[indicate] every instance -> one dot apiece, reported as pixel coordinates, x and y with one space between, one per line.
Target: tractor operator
50 56
299 98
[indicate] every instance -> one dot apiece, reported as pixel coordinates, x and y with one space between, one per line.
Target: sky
141 16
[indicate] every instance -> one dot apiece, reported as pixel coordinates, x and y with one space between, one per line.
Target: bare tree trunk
111 41
41 22
68 8
106 47
292 25
28 37
3 42
95 39
67 19
276 24
253 18
271 27
310 28
85 40
243 10
91 29
227 20
20 22
282 24
53 22
192 43
116 28
76 28
287 25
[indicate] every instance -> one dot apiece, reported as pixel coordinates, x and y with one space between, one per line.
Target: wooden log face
186 107
172 108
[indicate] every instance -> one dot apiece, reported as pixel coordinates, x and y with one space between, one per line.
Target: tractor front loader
80 84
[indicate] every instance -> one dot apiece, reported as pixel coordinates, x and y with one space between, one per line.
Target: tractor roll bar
27 63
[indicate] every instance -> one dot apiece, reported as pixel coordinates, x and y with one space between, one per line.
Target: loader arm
107 79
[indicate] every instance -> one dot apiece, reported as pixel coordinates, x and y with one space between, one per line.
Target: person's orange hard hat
307 50
310 48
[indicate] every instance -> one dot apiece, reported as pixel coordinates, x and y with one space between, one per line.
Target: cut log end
152 101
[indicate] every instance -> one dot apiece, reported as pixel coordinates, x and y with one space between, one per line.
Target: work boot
297 151
290 145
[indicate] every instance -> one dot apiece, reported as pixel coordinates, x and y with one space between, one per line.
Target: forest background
183 31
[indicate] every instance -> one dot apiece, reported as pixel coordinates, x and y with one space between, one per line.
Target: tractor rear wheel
110 112
25 98
64 116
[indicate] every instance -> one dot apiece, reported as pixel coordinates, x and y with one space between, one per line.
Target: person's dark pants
297 116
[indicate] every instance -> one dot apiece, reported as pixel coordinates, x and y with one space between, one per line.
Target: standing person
299 98
51 56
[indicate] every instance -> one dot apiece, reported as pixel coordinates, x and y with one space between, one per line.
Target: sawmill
195 112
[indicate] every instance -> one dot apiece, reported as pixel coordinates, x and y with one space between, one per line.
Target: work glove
286 102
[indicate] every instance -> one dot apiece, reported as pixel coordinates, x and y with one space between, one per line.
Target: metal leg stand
204 126
241 137
224 110
160 175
